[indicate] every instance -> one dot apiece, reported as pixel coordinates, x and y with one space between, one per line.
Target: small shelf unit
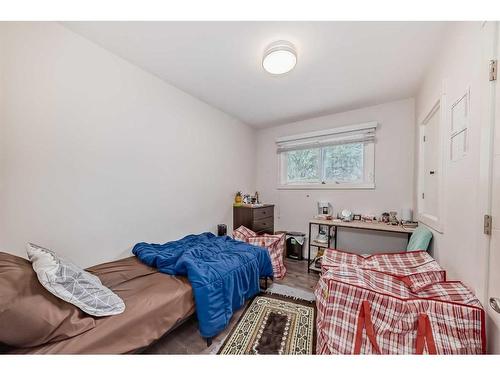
320 245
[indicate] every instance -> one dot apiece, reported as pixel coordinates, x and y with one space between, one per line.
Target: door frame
490 124
489 121
436 223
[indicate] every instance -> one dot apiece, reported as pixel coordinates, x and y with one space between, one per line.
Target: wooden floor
187 340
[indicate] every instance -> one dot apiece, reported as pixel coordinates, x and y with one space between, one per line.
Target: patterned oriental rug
274 325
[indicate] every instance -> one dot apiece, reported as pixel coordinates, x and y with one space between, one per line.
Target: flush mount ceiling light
279 57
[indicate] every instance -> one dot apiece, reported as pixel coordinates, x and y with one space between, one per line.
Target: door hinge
493 70
487 224
423 195
424 138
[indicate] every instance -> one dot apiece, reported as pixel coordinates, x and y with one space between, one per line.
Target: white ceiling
341 65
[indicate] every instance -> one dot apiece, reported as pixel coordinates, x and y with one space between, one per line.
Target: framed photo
356 217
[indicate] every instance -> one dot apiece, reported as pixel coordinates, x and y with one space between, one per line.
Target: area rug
273 325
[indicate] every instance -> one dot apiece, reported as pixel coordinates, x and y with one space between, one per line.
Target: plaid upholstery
446 313
417 268
419 281
242 233
275 244
401 264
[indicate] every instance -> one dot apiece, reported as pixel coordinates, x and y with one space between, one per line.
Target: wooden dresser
259 219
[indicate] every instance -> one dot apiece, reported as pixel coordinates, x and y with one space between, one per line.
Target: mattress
155 303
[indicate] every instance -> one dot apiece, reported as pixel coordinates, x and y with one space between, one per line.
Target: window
303 165
336 158
343 163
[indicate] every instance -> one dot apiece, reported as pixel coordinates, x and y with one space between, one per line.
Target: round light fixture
279 57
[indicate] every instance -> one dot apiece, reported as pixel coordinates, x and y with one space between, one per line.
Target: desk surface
364 225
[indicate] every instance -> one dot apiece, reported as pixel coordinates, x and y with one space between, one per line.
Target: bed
223 272
155 304
160 288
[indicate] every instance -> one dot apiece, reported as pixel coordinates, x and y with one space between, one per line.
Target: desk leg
336 235
309 249
329 236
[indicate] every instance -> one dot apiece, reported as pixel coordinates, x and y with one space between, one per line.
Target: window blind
361 133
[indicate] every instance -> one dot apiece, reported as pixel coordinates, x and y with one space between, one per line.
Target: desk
336 223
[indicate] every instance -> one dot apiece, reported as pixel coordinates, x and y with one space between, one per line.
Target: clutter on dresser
238 199
247 200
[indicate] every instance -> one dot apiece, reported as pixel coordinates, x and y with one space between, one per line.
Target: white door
431 164
493 324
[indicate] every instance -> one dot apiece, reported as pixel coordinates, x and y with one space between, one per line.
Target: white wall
461 248
2 118
98 154
393 174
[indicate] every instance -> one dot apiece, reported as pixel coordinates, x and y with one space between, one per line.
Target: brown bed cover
155 303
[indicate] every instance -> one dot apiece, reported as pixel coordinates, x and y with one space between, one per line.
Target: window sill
368 186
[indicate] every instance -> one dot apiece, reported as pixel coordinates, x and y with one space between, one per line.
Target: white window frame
368 162
433 221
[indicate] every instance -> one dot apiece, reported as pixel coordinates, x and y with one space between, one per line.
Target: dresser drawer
262 213
262 225
258 219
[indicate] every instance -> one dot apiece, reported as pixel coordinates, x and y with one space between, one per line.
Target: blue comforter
223 273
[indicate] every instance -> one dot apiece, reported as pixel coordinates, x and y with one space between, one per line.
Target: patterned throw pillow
275 245
72 284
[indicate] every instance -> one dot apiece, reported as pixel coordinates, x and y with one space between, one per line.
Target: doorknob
432 172
495 304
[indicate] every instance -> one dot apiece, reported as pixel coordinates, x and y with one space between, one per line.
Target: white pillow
72 284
